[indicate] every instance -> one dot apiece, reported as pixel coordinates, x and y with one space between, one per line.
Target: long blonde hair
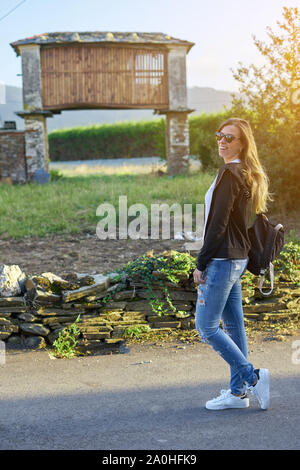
254 172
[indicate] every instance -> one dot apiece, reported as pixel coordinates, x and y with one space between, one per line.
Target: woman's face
232 150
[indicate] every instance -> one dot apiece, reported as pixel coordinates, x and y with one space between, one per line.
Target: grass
82 169
68 204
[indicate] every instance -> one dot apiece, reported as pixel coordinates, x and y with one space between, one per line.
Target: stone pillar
177 78
31 74
36 137
36 142
177 142
177 129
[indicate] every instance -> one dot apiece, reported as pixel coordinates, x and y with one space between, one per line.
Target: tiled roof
100 36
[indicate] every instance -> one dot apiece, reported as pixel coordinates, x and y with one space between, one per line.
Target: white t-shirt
208 198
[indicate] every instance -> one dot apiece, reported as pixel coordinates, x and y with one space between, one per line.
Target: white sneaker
227 400
262 388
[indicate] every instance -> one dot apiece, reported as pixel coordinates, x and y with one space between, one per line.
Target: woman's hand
198 277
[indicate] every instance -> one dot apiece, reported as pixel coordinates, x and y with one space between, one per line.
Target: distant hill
201 99
208 100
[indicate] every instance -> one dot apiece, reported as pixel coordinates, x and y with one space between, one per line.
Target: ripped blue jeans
220 299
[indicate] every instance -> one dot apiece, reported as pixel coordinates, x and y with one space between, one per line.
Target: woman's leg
233 323
211 302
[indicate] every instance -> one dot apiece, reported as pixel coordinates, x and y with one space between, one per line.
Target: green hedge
119 140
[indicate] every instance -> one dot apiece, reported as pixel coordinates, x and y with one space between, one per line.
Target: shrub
118 140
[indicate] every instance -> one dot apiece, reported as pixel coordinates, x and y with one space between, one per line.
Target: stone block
118 305
139 306
264 307
166 324
35 342
126 294
92 335
183 296
101 283
7 327
34 329
12 280
157 318
57 312
132 316
116 341
12 302
111 316
27 317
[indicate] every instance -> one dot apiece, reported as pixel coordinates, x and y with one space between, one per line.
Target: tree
271 101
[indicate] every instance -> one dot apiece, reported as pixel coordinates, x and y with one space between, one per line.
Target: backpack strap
262 278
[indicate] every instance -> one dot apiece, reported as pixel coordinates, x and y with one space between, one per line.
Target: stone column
36 137
36 142
177 78
177 142
177 129
31 74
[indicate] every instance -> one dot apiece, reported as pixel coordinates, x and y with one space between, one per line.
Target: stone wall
34 310
12 157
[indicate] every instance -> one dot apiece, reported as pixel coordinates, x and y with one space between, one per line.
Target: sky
222 30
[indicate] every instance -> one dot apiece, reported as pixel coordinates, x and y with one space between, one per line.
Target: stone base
177 141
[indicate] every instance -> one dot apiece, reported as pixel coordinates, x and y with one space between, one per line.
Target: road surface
150 397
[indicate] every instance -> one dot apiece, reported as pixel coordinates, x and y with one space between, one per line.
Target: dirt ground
84 252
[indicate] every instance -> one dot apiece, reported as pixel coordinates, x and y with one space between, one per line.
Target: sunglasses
228 137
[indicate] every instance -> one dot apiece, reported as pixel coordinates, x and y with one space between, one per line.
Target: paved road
151 397
107 162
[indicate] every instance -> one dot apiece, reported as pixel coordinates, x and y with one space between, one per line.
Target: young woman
240 187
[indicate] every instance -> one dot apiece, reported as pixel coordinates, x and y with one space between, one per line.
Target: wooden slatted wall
82 76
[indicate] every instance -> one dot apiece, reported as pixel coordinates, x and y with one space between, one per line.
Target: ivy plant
171 265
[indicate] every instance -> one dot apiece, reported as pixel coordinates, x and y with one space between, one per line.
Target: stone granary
103 70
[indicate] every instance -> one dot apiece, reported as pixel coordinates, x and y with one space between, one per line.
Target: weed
65 344
136 331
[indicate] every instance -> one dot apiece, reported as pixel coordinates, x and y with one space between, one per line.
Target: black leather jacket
226 234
